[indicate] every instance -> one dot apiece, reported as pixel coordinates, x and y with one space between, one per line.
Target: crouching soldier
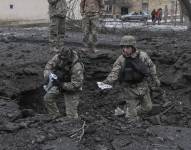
133 69
69 71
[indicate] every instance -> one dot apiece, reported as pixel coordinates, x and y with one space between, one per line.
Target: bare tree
186 8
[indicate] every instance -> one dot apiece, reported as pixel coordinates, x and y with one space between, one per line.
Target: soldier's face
127 50
67 60
66 57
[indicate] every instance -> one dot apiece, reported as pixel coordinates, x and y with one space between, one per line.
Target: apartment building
32 10
120 7
37 10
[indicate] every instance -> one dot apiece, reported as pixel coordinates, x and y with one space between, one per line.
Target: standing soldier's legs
53 32
50 103
71 103
61 31
93 33
94 22
86 29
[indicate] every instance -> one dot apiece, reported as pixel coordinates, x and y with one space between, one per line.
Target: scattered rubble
24 124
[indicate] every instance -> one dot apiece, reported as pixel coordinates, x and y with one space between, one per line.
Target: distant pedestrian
159 15
153 16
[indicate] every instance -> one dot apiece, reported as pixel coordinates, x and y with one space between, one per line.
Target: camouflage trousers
89 28
138 100
57 31
71 100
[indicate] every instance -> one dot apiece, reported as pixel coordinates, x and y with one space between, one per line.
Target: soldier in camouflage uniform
90 11
69 69
57 13
134 69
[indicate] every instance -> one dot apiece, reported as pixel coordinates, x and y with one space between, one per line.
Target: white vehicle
136 16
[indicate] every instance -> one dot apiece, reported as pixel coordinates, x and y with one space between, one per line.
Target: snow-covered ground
140 25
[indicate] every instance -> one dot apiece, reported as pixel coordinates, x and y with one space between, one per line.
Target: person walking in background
153 16
159 15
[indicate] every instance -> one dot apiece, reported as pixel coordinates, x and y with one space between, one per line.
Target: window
108 8
124 10
145 7
11 6
145 1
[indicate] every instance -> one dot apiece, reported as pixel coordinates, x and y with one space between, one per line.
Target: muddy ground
24 124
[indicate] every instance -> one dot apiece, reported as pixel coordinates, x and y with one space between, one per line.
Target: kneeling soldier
69 70
133 69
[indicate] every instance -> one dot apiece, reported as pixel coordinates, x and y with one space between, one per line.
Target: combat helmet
66 54
128 40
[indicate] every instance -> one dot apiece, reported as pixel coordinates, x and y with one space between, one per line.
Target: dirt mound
22 127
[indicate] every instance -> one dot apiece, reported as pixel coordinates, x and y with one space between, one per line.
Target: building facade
120 7
32 10
23 10
37 10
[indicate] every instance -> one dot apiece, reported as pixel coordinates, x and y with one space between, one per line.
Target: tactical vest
133 71
63 72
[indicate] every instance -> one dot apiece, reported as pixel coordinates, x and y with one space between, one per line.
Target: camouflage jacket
120 62
77 70
91 7
57 8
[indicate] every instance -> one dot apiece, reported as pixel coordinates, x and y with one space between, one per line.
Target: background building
37 10
120 7
32 11
23 10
